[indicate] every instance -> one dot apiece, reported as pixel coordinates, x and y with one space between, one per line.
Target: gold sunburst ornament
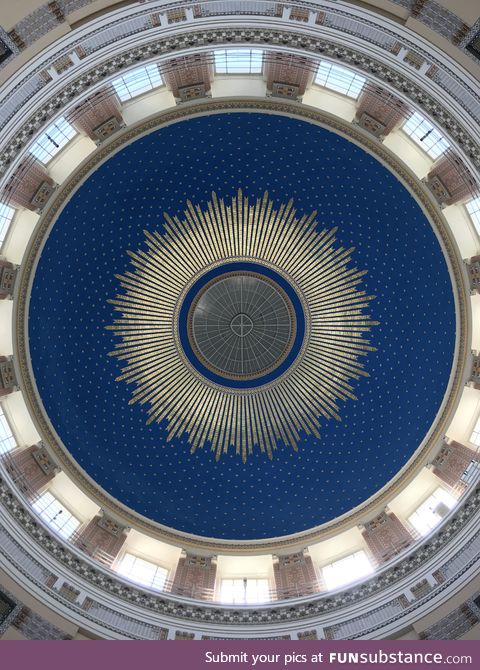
241 326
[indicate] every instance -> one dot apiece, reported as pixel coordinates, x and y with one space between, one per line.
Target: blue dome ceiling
353 458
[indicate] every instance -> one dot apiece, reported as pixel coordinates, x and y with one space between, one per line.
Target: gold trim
254 417
358 514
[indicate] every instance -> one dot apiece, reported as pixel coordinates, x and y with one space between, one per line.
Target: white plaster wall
475 302
6 343
152 550
463 230
337 547
226 86
69 158
332 102
466 416
62 488
19 233
238 567
412 496
406 149
146 105
19 419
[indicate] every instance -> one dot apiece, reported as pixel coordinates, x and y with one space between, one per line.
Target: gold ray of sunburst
224 417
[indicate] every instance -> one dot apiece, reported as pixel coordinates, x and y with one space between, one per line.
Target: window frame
230 54
419 129
420 517
52 140
7 214
243 588
474 215
158 580
6 434
330 570
47 503
128 86
339 79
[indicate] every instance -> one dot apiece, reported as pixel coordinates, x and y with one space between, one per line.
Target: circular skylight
241 325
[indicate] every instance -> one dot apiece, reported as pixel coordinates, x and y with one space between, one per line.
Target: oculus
242 326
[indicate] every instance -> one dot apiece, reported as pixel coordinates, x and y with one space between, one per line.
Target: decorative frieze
413 59
182 635
464 557
8 275
63 64
475 376
386 536
102 538
189 77
379 111
271 37
421 589
30 186
195 577
8 378
34 627
98 116
288 75
473 270
31 469
450 180
56 10
453 626
69 592
294 575
308 635
452 461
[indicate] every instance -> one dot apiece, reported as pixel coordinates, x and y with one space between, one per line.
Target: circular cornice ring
288 37
379 500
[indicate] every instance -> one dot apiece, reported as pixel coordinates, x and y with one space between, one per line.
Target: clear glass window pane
425 135
245 591
475 436
346 570
339 79
6 216
137 81
56 515
238 61
52 140
432 511
7 441
473 209
142 572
